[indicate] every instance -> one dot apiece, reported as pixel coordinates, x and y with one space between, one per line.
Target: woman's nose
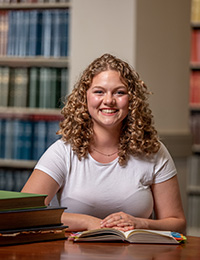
109 99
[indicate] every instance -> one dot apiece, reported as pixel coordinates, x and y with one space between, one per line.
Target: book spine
2 138
26 152
39 138
33 96
64 32
11 33
195 87
3 32
20 87
46 33
32 47
18 143
9 138
44 88
195 11
4 86
195 127
52 128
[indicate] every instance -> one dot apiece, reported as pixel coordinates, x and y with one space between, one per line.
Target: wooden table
68 250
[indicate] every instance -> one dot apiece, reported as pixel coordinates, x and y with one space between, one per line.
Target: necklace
104 153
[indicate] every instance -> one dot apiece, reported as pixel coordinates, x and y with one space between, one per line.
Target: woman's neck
106 139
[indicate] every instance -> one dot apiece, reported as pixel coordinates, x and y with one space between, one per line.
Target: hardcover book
31 235
26 218
131 236
11 200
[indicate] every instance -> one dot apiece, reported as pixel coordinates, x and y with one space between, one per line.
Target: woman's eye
120 92
98 92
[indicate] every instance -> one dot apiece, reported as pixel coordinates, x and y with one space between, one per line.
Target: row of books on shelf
195 87
27 138
24 218
13 179
195 45
195 126
33 87
195 11
34 32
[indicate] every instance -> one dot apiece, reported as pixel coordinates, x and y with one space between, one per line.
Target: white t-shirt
99 189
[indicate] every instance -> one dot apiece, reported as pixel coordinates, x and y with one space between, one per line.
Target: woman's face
107 99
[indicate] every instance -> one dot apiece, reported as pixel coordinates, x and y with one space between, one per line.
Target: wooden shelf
194 107
195 25
193 190
37 61
196 148
29 111
195 66
18 164
6 6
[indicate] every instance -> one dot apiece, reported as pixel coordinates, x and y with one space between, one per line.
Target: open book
132 236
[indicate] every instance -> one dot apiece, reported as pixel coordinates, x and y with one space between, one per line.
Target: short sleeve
164 166
53 162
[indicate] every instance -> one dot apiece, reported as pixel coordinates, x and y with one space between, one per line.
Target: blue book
19 39
26 31
27 140
18 134
2 179
11 32
2 137
22 140
52 128
35 24
56 33
65 32
9 130
46 33
39 139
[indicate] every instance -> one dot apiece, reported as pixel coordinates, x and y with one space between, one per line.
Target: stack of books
24 218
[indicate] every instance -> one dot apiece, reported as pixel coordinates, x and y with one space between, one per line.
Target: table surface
68 250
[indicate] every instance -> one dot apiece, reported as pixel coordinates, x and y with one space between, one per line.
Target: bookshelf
34 68
193 189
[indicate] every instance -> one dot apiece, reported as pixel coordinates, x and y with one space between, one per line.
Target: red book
195 46
195 88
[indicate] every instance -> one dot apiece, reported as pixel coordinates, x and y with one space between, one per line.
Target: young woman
109 168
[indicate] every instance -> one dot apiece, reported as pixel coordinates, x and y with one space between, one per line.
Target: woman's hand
122 221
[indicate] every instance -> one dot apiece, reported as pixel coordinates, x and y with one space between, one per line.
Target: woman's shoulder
60 144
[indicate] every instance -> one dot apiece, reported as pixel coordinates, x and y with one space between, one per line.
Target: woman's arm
41 183
167 206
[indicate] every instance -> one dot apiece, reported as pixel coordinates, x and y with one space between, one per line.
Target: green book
20 87
33 87
11 200
4 86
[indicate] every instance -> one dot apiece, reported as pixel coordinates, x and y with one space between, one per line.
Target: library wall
99 27
162 59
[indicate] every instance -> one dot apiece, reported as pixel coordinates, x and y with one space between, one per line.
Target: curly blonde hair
138 135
